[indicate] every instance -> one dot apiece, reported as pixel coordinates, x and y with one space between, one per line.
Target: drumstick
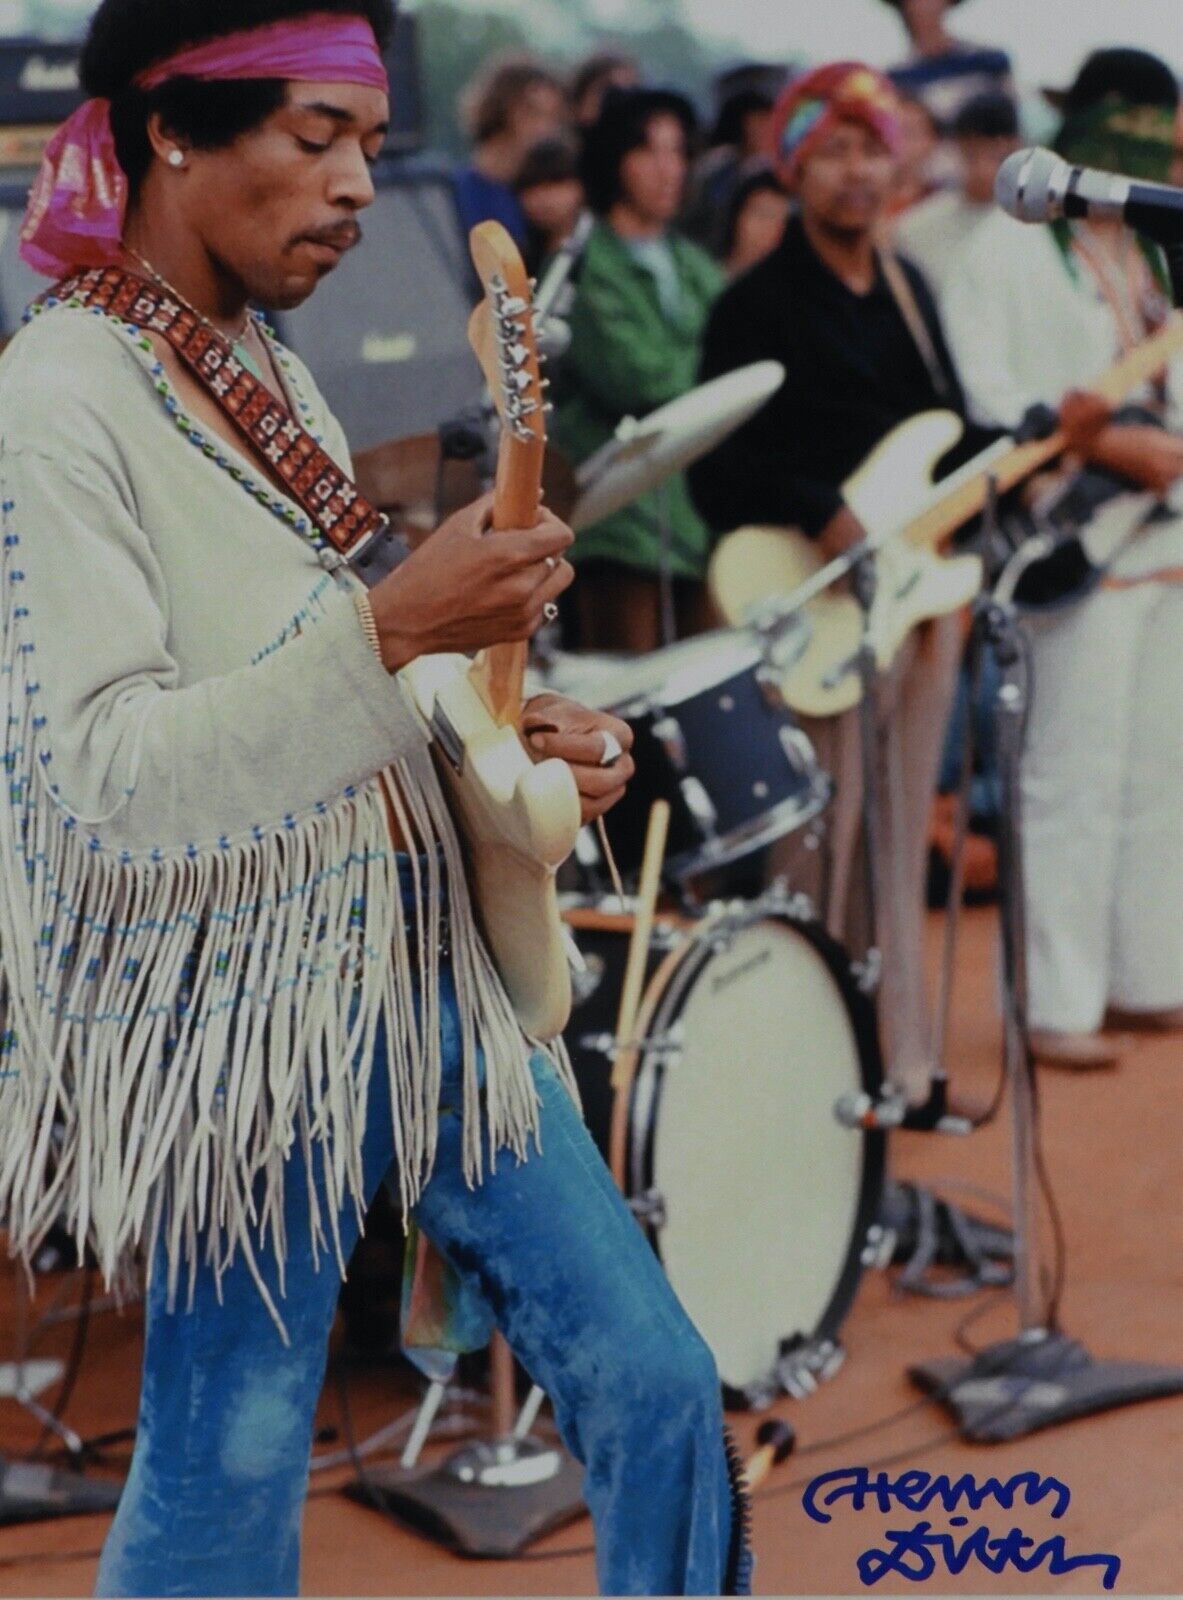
638 950
777 1441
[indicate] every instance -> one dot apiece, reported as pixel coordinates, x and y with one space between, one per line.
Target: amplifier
38 82
385 334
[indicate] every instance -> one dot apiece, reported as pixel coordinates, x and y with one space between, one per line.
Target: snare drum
715 739
727 1145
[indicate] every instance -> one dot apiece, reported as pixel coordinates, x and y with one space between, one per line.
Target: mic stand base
1037 1380
491 1500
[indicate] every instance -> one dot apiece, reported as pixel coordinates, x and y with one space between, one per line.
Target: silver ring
552 564
550 612
613 749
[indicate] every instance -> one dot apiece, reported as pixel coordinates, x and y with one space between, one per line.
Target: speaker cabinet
385 334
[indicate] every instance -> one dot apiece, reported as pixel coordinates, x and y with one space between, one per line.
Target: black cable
971 1318
351 1444
47 1558
73 1366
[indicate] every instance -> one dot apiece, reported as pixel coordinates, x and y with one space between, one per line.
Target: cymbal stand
864 577
669 619
1040 1377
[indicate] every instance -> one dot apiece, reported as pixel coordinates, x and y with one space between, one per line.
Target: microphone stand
1040 1377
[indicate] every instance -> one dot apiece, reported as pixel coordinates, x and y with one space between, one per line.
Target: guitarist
1035 312
859 336
234 974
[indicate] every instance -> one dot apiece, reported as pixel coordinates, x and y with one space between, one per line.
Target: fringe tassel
174 1028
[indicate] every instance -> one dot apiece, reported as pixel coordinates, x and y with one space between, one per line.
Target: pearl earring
176 158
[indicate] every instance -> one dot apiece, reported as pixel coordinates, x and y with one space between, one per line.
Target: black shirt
854 373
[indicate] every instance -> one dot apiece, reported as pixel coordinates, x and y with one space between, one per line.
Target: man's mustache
343 236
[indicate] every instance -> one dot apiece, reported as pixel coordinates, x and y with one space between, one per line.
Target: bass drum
725 1141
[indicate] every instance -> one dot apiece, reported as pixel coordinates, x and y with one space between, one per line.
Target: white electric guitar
907 517
518 819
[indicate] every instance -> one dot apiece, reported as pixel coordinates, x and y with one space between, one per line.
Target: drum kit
754 1025
717 743
749 1028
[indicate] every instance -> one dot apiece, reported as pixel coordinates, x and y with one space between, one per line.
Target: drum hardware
668 1047
869 972
1041 1377
805 1364
672 740
649 1209
712 990
703 812
880 1247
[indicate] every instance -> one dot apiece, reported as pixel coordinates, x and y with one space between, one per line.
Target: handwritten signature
913 1553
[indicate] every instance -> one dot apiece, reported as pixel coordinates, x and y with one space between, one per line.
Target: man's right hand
466 588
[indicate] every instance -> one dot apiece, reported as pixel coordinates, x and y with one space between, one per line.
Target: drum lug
698 803
783 901
798 748
805 1364
649 1209
667 731
665 1047
879 1249
769 682
868 974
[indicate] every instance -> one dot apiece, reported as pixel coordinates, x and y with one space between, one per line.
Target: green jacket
627 357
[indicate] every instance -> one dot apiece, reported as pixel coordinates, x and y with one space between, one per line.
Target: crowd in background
842 222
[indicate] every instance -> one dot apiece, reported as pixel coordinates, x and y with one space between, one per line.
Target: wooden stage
1113 1146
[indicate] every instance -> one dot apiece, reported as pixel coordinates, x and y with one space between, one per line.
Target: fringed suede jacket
200 922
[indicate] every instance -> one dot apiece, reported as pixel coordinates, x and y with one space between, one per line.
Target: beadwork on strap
333 504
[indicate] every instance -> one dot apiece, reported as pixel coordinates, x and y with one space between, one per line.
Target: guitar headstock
502 334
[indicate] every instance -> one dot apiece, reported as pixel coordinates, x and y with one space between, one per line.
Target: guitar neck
501 670
972 490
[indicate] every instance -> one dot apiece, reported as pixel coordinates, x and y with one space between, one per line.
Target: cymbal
643 454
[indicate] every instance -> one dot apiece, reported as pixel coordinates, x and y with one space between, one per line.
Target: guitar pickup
445 735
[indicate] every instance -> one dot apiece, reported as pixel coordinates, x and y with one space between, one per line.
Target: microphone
555 295
1036 185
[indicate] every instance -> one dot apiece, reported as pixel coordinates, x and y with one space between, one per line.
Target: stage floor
1113 1143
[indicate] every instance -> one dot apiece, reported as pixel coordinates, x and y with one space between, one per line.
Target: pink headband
77 205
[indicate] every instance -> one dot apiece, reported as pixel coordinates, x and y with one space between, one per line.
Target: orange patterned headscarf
842 91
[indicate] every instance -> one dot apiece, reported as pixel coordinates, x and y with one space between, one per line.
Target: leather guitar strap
905 299
327 496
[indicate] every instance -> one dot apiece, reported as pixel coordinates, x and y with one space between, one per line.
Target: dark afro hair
126 36
621 128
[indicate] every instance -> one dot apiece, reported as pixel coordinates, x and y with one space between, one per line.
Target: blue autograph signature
913 1553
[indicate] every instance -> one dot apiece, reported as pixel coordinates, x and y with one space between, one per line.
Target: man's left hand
557 728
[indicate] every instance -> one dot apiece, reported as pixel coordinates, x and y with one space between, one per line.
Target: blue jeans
215 1497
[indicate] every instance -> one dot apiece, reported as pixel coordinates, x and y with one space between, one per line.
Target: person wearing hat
636 328
1035 313
985 131
943 71
860 338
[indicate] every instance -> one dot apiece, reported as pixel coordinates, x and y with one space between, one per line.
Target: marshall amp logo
42 76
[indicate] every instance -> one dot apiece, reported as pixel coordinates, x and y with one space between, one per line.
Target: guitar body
518 822
890 489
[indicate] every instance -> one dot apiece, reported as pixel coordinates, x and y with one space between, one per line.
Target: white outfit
934 233
200 913
1103 766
